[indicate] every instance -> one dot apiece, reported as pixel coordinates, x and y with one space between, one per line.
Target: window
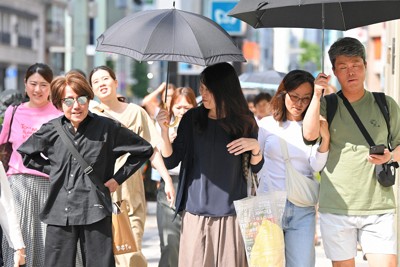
5 35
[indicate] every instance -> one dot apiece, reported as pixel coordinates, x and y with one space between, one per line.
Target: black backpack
380 98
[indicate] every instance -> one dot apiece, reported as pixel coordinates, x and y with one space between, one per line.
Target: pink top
26 121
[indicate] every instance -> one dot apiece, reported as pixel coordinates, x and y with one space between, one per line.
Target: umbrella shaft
323 38
167 83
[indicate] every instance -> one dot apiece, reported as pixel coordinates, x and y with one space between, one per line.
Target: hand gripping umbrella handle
175 123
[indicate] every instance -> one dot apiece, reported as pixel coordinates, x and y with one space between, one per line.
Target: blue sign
219 14
11 72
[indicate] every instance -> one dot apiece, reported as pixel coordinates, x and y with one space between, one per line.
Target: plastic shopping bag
260 219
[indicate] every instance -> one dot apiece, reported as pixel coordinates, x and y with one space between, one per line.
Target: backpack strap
380 99
331 107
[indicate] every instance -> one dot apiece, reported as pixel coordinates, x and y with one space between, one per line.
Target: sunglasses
121 99
81 100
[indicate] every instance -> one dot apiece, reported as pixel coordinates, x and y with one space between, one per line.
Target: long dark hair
231 106
290 82
43 69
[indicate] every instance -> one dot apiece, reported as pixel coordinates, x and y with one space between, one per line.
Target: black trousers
95 241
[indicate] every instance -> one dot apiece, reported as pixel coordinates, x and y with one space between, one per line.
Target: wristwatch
391 158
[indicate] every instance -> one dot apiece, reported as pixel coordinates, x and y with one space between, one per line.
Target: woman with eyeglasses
289 106
77 210
29 187
104 83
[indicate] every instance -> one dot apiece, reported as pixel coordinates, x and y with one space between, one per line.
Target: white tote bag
301 190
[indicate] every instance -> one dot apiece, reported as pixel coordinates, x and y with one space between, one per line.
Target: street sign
189 69
219 14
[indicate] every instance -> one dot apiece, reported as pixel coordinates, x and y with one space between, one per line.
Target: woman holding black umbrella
210 142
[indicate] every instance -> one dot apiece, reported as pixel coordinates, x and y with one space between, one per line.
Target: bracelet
256 155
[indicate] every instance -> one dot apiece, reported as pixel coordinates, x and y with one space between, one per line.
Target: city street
151 248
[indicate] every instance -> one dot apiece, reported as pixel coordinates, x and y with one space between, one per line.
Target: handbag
385 173
260 217
301 190
123 239
6 148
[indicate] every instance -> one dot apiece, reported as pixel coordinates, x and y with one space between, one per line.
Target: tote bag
301 190
123 239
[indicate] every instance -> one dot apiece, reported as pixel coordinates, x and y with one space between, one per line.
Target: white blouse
8 217
305 158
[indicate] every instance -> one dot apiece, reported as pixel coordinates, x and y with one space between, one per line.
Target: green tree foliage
312 53
110 64
139 73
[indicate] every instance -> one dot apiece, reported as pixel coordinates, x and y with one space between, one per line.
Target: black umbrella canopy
318 14
170 35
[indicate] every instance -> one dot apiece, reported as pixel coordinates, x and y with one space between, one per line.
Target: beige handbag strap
284 150
285 153
293 180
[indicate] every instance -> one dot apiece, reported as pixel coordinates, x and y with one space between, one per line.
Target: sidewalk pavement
151 243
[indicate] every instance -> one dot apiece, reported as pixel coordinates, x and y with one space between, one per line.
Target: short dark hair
347 46
250 98
262 96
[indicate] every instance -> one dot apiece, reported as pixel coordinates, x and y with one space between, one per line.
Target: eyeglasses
302 100
69 101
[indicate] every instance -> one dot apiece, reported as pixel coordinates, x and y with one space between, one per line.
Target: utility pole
80 34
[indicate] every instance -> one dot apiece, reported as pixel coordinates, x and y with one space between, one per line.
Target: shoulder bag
6 148
301 190
385 173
